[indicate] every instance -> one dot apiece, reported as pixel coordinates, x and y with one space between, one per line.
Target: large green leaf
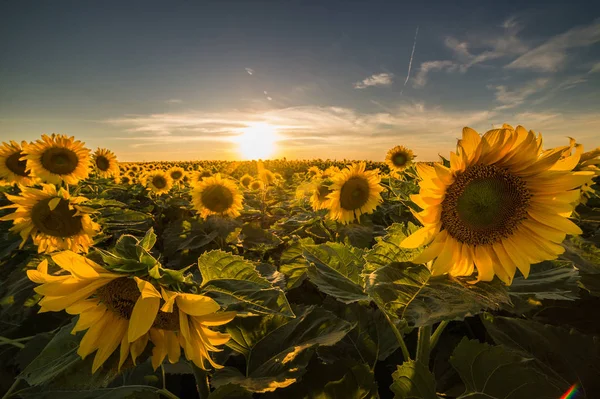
492 372
278 349
371 340
584 254
235 283
548 280
293 264
413 380
387 249
357 383
409 292
230 391
565 355
336 269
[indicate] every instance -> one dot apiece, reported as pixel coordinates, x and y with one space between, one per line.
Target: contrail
412 54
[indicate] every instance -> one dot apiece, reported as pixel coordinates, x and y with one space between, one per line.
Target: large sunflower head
217 196
13 168
117 309
246 180
267 177
58 158
354 192
176 173
158 182
53 219
399 158
319 198
105 163
503 204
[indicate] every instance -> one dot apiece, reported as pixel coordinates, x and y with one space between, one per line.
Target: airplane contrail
412 54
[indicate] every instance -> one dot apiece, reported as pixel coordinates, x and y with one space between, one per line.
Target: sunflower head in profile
176 173
13 169
313 171
217 196
267 177
121 310
52 218
589 161
246 180
354 192
503 204
256 185
58 158
330 172
105 163
319 198
399 158
158 182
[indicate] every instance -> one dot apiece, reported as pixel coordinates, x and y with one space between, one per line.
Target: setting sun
258 141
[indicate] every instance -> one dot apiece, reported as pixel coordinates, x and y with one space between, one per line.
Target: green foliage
413 380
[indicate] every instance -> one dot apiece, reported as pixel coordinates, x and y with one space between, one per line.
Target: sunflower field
475 276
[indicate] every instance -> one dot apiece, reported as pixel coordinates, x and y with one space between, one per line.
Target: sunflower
319 199
105 163
12 168
256 185
330 172
399 158
589 161
503 204
176 173
267 177
217 196
314 171
196 313
116 309
354 191
158 181
58 158
246 180
52 218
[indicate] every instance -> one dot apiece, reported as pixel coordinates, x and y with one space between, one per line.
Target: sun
258 141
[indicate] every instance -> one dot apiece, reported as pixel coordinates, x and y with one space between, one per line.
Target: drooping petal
196 305
143 315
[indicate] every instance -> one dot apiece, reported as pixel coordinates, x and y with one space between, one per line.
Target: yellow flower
176 173
246 180
314 171
105 163
52 218
58 158
503 204
217 196
354 192
399 158
256 185
158 181
319 199
196 313
267 177
12 167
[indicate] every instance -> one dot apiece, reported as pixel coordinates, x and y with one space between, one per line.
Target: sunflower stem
399 337
13 342
201 377
423 345
11 389
167 393
437 334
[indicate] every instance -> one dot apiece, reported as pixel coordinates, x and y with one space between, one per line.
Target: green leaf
496 373
149 240
548 280
565 355
278 349
124 392
235 282
413 380
293 264
255 237
357 235
387 249
357 383
584 254
371 340
126 246
408 291
336 269
230 391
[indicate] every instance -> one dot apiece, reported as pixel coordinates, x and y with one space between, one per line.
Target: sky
183 80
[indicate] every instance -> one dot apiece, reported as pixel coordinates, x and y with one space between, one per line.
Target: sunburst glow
258 141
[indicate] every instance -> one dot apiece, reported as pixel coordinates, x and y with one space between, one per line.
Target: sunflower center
159 182
59 222
399 159
102 163
120 296
217 198
176 175
59 160
354 193
15 165
484 205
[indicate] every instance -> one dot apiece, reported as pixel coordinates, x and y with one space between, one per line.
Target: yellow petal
173 349
520 258
143 315
89 318
483 262
138 346
59 303
555 221
159 352
111 338
76 264
421 237
470 142
146 288
216 319
169 297
196 305
82 306
507 264
53 203
124 352
90 340
443 262
544 231
215 337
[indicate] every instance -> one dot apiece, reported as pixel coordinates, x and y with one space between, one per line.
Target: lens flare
571 393
258 141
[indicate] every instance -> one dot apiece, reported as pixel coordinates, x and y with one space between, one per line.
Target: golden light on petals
399 158
217 196
13 166
105 163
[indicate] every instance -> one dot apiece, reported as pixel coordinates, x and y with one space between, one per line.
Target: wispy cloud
432 66
174 101
552 55
250 71
595 68
412 54
513 98
381 79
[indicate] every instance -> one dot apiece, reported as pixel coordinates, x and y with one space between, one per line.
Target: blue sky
174 80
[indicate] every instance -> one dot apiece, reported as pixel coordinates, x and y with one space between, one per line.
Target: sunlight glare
257 141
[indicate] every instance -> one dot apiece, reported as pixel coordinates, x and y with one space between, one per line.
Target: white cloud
552 55
174 101
512 98
382 79
429 66
250 71
595 68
